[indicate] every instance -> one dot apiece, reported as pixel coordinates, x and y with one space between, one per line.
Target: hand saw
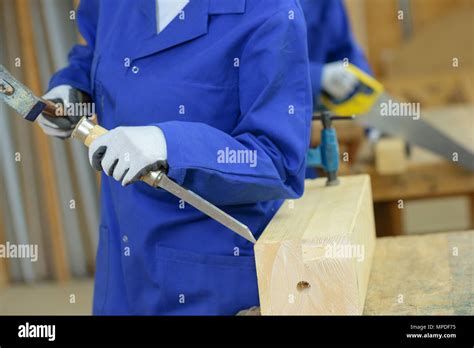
416 131
375 108
29 106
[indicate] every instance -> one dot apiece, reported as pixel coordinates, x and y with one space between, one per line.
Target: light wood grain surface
423 275
301 265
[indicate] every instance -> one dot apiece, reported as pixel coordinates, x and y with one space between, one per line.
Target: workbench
427 175
421 268
430 274
420 181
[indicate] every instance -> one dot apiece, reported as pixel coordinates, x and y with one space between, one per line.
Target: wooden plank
51 204
385 33
428 12
315 255
422 275
433 90
390 156
422 181
356 11
433 48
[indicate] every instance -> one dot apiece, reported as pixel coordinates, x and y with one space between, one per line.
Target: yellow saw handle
361 100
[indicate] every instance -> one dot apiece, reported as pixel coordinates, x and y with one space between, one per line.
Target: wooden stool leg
388 219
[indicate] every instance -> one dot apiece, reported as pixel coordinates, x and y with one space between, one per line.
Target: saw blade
414 130
19 97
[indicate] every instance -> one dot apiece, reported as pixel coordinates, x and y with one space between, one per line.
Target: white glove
337 81
61 127
128 153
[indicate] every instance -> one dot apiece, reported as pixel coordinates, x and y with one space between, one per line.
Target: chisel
29 106
87 131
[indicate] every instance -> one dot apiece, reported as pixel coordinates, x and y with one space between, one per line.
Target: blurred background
48 192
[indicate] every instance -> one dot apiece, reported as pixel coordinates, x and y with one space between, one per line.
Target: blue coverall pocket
203 284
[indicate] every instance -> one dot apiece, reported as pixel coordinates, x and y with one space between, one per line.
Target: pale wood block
390 156
302 268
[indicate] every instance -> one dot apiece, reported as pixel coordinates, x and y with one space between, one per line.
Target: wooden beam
422 181
315 255
434 48
390 156
428 12
385 33
357 16
434 90
51 204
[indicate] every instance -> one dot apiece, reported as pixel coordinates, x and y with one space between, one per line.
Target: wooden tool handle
95 132
52 109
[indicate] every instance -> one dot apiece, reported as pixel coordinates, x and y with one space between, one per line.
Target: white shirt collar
166 11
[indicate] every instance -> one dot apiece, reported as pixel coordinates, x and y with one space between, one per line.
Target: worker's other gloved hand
337 80
128 153
62 127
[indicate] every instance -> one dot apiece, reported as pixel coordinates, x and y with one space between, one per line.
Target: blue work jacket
329 38
225 80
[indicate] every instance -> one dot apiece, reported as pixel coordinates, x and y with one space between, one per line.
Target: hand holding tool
86 131
373 106
22 100
337 81
361 97
127 153
67 98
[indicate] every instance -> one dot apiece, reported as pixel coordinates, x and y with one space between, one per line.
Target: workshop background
49 193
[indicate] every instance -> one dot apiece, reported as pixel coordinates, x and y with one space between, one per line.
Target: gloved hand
337 80
128 153
62 127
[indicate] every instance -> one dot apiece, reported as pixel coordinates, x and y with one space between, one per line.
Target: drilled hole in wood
303 285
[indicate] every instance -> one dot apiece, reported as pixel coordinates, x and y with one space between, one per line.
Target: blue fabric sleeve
274 124
329 38
343 44
78 73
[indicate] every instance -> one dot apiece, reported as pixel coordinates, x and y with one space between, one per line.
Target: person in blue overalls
330 45
179 83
